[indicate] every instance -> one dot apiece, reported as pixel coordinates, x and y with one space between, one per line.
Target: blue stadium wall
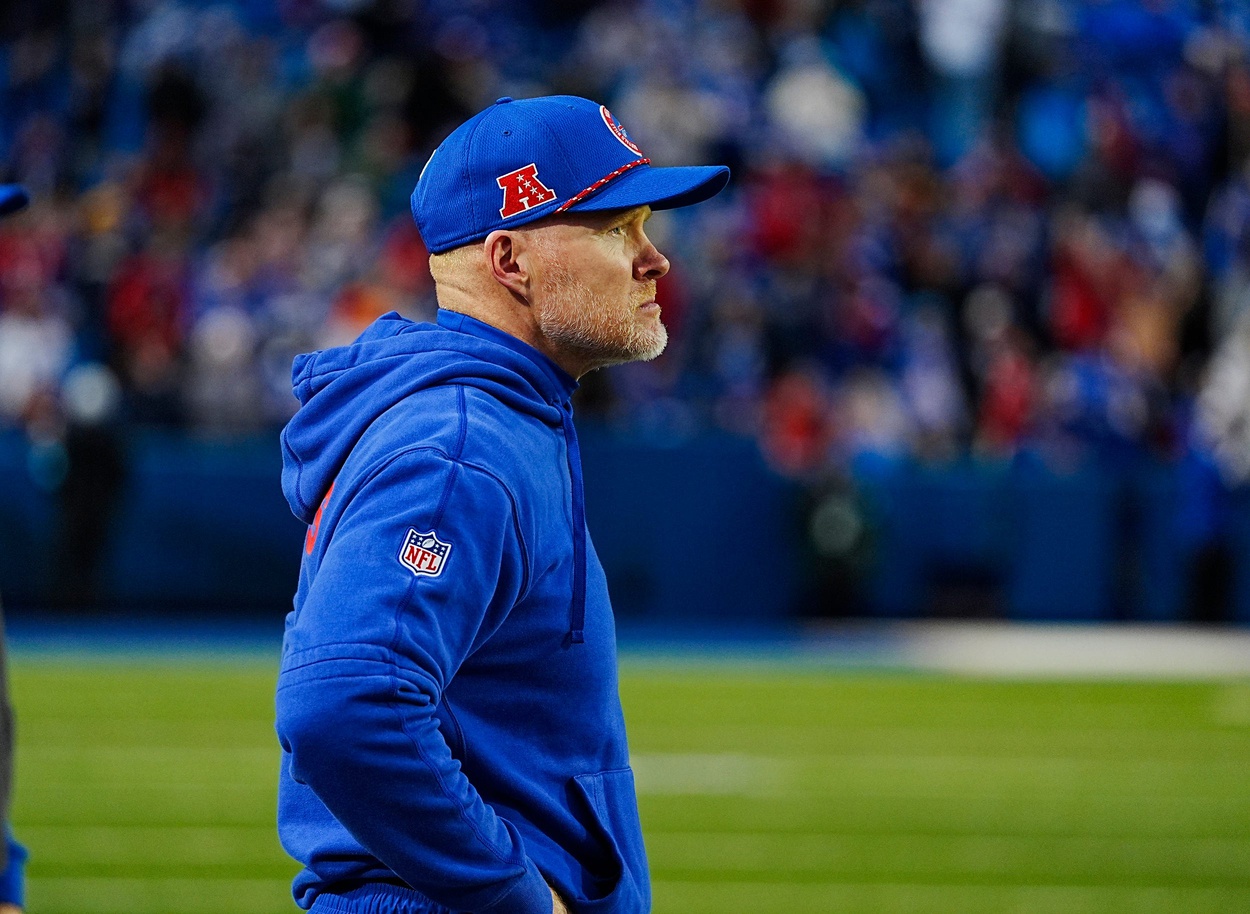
697 532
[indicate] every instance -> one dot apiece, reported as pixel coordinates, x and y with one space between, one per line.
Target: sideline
972 648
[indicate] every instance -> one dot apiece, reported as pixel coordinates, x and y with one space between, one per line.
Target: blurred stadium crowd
955 226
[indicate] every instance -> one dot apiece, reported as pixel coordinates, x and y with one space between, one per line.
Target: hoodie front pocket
613 800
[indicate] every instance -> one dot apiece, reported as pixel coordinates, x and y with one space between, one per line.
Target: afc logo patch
424 553
523 191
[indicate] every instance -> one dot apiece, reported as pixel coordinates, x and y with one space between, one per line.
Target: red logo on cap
522 191
617 130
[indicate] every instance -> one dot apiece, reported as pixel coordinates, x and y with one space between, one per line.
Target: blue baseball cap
526 159
13 197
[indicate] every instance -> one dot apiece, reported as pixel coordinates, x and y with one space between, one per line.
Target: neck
512 317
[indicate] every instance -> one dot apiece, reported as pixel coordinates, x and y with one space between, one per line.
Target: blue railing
700 531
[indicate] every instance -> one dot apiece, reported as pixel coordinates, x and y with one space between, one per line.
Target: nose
650 264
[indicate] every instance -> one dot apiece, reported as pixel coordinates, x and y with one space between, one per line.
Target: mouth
649 307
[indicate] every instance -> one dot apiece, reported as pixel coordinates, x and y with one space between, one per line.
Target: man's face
594 296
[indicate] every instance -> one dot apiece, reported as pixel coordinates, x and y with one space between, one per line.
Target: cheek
594 278
610 259
617 274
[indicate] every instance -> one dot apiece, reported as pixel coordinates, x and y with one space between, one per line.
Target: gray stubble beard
592 328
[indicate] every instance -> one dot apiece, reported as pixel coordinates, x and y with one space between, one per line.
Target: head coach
447 704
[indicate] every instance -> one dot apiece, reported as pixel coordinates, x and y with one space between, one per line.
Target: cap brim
13 197
659 188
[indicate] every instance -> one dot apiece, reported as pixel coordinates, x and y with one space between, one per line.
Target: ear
508 260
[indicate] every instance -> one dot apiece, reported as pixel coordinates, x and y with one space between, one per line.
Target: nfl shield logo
424 553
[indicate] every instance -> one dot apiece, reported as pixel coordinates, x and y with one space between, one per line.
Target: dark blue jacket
447 705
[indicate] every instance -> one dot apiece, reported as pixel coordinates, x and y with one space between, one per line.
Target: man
447 706
13 198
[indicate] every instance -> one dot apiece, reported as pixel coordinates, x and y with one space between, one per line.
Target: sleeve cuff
13 877
528 895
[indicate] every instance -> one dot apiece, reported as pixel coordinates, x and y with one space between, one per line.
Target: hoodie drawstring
577 612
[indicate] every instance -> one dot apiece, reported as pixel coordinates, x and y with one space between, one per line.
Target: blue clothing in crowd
448 705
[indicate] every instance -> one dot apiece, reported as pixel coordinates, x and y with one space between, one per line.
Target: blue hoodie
447 705
13 876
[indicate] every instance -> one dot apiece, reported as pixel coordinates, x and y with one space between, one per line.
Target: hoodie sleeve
419 566
13 876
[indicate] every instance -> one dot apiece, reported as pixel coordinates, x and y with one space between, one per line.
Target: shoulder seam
438 451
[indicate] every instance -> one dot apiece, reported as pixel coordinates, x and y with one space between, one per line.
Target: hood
342 391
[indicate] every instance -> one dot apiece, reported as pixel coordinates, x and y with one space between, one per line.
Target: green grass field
148 786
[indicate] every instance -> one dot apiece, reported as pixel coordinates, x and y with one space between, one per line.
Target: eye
617 230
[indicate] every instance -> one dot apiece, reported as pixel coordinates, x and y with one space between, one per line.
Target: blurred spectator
90 490
148 310
961 41
1224 407
814 113
36 336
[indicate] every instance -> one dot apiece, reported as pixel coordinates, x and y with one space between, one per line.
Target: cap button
504 100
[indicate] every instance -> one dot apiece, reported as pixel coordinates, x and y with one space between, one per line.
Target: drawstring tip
577 636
